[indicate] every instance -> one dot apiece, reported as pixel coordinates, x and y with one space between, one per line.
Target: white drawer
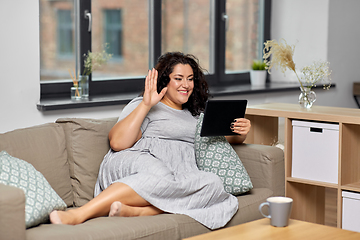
351 211
315 151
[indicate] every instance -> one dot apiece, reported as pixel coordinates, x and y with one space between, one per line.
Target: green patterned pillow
41 199
216 155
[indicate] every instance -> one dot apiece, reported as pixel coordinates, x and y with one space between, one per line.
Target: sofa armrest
12 213
265 166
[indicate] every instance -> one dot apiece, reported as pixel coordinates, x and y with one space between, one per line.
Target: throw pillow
216 155
41 199
87 143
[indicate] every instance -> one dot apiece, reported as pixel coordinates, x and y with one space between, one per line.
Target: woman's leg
100 205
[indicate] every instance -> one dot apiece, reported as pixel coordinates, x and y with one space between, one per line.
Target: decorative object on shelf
307 97
92 62
75 93
75 89
282 57
258 73
84 85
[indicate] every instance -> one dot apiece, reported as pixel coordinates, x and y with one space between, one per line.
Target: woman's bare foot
115 209
54 217
119 209
64 217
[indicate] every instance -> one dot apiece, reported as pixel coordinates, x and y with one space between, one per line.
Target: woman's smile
183 92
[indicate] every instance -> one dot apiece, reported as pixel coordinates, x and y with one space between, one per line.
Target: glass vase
84 84
307 98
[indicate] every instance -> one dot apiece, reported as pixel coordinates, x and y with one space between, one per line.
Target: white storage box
315 151
351 211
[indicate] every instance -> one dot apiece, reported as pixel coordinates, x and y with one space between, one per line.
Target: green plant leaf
258 65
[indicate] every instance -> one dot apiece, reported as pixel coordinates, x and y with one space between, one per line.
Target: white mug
279 210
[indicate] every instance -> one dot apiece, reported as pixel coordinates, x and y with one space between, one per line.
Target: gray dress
161 168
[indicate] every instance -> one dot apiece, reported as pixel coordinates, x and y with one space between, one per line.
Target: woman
151 167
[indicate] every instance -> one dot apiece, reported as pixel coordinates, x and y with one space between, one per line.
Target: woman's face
180 86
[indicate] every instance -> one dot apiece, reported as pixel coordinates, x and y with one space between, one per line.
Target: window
65 48
113 32
57 42
244 38
179 33
225 35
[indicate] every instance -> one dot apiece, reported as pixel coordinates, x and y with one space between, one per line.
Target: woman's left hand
241 126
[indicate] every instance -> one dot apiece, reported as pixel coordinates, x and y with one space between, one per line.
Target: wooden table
261 229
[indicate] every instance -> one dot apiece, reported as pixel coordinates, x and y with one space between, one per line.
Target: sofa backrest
87 143
44 147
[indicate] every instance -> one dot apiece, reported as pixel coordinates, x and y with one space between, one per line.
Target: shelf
355 187
314 201
316 113
310 182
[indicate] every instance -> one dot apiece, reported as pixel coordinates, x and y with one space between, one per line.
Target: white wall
303 23
344 49
321 29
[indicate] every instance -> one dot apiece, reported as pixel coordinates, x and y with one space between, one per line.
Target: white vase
258 77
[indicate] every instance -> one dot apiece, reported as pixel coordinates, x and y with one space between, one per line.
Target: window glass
57 53
244 35
186 28
64 33
113 32
122 29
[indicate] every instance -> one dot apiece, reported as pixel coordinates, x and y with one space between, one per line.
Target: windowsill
118 99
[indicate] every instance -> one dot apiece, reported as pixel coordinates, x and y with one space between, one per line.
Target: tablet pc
218 116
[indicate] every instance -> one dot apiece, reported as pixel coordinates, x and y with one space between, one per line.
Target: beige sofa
68 153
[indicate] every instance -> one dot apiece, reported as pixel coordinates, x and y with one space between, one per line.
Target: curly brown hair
200 94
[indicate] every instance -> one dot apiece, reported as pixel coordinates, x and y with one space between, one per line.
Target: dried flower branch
282 57
316 72
94 60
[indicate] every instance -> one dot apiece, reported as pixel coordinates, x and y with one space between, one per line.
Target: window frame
218 78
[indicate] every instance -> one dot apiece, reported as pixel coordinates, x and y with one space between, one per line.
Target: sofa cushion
159 227
87 143
43 147
216 155
41 199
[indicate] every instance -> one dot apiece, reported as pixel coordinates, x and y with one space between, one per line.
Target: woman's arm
240 126
127 132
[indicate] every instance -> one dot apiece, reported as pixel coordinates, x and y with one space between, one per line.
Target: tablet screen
219 114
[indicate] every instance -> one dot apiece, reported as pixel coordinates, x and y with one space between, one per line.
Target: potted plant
258 73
